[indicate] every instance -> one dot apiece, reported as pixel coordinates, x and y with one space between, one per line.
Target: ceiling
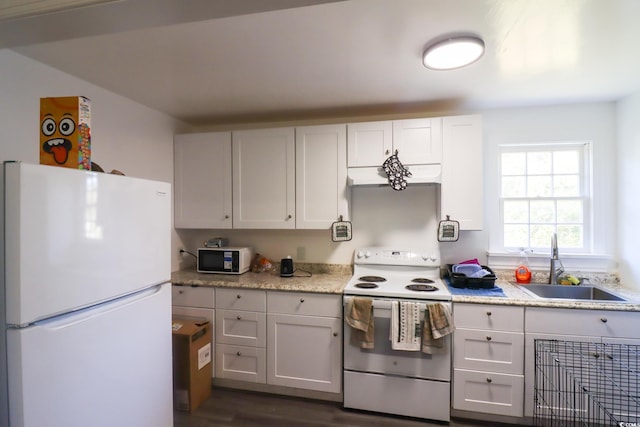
226 61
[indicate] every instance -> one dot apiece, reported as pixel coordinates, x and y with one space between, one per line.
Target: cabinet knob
489 380
387 152
603 319
239 317
181 292
488 338
335 334
238 354
238 296
488 313
289 216
301 300
226 217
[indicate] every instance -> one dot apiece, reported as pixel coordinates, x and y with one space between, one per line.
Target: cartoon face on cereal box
65 132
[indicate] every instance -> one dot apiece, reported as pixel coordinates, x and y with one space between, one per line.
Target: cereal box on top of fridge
65 132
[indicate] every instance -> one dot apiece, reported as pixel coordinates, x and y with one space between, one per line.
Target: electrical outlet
301 253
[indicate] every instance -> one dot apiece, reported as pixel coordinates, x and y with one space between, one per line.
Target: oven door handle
384 304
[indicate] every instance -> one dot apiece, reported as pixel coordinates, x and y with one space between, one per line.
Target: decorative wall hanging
396 172
341 230
448 230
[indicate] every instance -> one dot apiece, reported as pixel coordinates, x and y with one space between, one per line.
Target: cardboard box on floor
191 362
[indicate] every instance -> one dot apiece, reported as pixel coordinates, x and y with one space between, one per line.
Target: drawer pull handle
603 319
238 354
238 296
239 317
488 338
489 380
488 313
301 300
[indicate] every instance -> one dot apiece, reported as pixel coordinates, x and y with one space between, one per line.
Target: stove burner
421 288
366 285
372 279
422 280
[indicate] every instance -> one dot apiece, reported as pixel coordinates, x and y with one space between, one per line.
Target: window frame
584 149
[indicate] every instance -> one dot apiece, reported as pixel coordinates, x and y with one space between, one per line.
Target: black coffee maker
286 267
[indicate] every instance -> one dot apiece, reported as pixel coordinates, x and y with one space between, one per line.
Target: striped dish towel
405 331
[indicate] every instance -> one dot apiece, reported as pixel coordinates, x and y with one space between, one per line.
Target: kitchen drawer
599 323
486 316
241 363
193 296
241 299
494 351
241 328
304 304
488 392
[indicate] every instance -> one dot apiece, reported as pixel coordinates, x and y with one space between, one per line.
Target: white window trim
501 258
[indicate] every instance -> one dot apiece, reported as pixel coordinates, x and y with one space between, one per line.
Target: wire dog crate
586 384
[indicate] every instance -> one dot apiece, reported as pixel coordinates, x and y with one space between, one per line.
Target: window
545 189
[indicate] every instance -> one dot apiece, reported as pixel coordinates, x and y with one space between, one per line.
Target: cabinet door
550 377
264 178
461 188
369 143
304 352
241 363
418 141
321 176
202 175
485 350
488 392
245 328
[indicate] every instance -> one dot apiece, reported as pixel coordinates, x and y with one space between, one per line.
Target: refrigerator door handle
81 315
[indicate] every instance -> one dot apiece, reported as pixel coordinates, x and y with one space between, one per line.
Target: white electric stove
397 273
382 379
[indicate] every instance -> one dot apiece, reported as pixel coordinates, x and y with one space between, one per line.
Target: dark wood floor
235 408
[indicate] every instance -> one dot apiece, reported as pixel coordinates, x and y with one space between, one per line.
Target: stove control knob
360 254
433 257
367 254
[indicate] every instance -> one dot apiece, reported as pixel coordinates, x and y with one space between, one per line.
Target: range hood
420 174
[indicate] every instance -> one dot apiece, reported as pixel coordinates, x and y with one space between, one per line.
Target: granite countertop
325 279
515 296
331 279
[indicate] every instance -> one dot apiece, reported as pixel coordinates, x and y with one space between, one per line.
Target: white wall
627 189
124 135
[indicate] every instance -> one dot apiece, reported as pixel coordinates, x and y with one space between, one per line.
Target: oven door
384 360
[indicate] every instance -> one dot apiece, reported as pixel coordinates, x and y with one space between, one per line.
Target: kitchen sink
565 292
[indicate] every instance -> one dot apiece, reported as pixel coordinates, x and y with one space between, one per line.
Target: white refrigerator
86 299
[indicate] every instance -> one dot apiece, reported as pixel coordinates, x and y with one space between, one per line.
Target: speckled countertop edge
515 296
331 279
325 279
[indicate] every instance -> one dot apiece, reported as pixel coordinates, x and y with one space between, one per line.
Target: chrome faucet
556 267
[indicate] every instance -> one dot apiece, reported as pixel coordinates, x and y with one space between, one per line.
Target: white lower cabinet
488 359
304 343
241 335
198 301
564 324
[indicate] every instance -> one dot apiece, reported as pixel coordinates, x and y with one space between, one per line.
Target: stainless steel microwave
225 260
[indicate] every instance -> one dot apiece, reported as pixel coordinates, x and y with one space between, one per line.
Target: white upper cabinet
370 143
461 189
202 180
418 141
264 178
321 176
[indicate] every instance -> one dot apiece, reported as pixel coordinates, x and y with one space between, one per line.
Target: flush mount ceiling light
453 52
